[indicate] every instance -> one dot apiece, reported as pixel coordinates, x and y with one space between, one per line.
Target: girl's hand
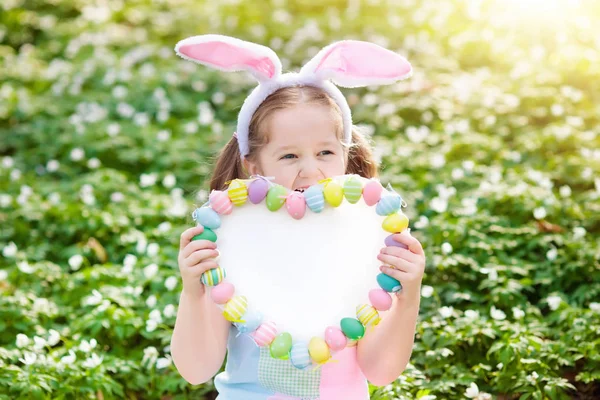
195 257
405 265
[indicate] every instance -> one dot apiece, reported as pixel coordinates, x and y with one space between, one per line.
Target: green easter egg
207 234
276 197
352 328
388 283
281 346
353 190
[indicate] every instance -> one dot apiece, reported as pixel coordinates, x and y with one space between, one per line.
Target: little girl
297 128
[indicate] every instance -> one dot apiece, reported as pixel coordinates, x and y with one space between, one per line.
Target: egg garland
329 192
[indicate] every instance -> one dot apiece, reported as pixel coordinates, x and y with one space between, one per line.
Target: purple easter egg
257 190
389 242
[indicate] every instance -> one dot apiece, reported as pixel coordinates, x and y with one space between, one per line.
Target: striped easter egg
237 192
235 308
220 202
265 334
299 355
388 204
367 315
213 277
353 190
315 200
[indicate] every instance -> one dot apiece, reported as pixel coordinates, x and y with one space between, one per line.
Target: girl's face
303 148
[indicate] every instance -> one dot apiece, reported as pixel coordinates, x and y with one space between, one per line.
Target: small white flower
579 232
439 204
426 291
7 162
171 282
472 391
150 355
551 254
437 160
595 307
152 249
539 213
75 262
94 299
113 129
499 366
155 316
151 325
446 248
141 119
25 267
86 346
190 127
117 197
445 352
93 163
163 135
458 173
150 271
164 227
422 222
162 363
53 338
446 312
497 314
39 343
554 302
130 260
22 340
29 358
93 361
565 191
77 154
119 92
518 313
169 181
70 359
10 250
169 311
151 301
52 165
532 378
3 275
471 314
15 175
147 180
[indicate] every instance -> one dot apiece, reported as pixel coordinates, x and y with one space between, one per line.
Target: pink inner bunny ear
352 63
231 54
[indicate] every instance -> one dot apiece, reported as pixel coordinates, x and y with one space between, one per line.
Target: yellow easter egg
237 192
334 193
318 350
395 223
367 315
235 308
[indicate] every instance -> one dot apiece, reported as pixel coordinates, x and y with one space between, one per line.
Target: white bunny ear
230 54
353 63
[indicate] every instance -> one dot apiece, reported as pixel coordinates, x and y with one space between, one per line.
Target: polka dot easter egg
276 197
395 223
335 338
296 205
237 192
334 194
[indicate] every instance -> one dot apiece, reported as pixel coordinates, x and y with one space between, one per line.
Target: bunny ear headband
348 63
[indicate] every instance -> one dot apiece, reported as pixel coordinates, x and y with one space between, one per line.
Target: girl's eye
326 152
288 157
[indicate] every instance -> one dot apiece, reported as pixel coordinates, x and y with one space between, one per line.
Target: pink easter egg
372 192
257 190
296 205
335 338
222 293
380 299
264 335
220 202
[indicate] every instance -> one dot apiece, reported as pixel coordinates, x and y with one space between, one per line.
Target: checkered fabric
282 377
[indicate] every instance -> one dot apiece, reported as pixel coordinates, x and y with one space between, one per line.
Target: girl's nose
309 169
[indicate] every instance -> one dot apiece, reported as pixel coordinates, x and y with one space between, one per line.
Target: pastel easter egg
264 335
257 190
334 194
235 308
353 189
335 338
372 192
237 192
296 205
207 234
213 277
388 204
318 350
395 223
367 315
388 283
352 328
222 293
252 320
207 217
281 346
220 202
380 299
315 200
299 355
276 197
390 242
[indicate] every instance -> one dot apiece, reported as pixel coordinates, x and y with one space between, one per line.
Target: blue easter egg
388 204
252 320
315 199
299 355
207 217
388 283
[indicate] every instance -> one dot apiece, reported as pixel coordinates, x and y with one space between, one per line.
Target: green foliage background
107 140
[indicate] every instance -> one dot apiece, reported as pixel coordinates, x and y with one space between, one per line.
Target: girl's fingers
400 276
413 244
197 245
204 266
401 253
396 262
201 255
188 234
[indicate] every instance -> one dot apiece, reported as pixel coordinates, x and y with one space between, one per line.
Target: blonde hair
229 163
